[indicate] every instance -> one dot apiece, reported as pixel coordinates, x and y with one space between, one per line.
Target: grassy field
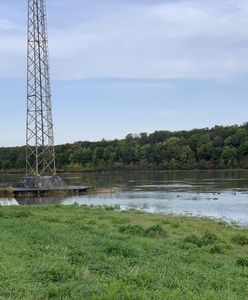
58 252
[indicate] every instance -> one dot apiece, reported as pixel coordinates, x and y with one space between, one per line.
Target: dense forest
218 147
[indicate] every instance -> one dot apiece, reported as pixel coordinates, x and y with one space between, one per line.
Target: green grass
58 252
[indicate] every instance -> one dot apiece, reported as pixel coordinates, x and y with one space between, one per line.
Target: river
214 194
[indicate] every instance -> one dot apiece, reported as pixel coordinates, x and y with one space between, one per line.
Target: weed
242 262
77 257
175 224
117 249
216 249
207 239
6 192
155 231
240 239
132 229
110 208
18 213
119 221
117 255
193 239
50 219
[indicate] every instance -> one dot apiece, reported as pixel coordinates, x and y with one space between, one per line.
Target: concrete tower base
41 182
43 185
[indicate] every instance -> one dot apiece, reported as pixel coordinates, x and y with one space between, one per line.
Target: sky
129 66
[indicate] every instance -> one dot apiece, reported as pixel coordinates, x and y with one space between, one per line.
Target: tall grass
57 252
6 192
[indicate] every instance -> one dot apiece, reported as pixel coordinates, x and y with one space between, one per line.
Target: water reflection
39 200
216 194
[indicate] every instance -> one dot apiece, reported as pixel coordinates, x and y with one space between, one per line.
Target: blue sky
130 66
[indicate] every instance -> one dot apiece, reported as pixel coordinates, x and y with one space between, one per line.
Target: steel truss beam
40 156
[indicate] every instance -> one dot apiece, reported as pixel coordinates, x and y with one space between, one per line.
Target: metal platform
43 185
72 189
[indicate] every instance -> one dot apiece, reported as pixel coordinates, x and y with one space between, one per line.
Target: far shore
126 170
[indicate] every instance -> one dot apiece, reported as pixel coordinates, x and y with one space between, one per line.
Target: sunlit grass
59 252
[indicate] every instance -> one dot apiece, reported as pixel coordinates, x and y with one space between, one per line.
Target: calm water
215 194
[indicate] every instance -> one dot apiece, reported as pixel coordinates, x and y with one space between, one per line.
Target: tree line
208 148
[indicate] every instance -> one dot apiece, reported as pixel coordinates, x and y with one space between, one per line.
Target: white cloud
182 40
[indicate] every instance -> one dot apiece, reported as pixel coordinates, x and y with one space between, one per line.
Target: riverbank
207 148
71 252
125 170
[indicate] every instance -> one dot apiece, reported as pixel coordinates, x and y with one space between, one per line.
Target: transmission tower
40 156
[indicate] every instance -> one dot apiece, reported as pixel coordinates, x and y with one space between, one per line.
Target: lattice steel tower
40 157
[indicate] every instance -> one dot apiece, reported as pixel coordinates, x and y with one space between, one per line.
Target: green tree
229 157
